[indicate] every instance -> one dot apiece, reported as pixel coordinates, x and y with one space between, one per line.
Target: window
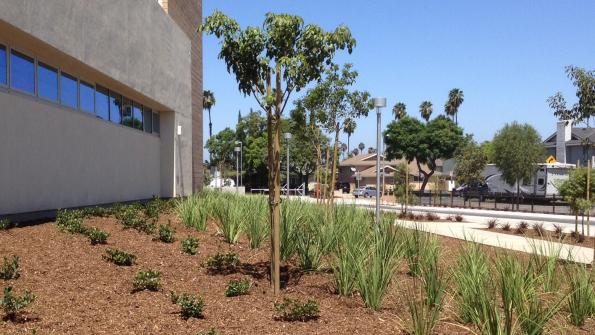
102 103
68 90
3 63
540 181
22 72
156 122
87 97
148 120
137 117
115 107
47 82
127 112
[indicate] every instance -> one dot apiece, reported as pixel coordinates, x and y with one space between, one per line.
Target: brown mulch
80 293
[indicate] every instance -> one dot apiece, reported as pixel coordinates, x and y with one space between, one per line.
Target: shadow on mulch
20 319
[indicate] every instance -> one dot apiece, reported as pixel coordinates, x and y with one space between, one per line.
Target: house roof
369 170
366 160
578 135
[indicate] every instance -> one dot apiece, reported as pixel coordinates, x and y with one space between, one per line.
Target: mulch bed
78 292
547 235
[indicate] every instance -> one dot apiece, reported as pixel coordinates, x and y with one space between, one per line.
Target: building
101 102
571 145
364 167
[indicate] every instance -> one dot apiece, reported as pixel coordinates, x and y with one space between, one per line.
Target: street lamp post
287 138
237 150
241 161
378 104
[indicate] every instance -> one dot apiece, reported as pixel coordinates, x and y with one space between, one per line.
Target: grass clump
559 230
191 306
119 257
194 210
539 229
522 228
13 304
223 263
190 245
376 271
471 276
257 222
581 296
506 227
492 223
237 287
295 310
71 221
166 233
10 268
424 316
5 224
230 217
431 217
97 236
147 280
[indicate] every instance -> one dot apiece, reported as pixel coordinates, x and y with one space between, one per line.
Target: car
473 190
365 192
344 187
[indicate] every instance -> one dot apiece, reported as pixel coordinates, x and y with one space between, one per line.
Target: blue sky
507 56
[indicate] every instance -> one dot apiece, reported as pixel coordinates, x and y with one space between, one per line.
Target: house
364 167
101 102
571 145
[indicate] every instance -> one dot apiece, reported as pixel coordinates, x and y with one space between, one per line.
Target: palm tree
426 110
361 147
400 110
208 101
349 128
455 99
344 148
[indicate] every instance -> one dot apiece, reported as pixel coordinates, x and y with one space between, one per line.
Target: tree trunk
518 195
427 176
334 165
348 147
210 133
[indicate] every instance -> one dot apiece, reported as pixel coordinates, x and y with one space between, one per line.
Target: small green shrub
153 208
191 306
131 217
119 257
190 245
223 263
96 212
13 304
147 280
71 221
492 223
459 218
5 224
431 217
237 287
10 268
166 233
97 236
294 310
506 227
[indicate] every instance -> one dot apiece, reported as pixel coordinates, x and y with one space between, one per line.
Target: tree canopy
471 160
584 109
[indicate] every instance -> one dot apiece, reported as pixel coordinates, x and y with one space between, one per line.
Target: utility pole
378 103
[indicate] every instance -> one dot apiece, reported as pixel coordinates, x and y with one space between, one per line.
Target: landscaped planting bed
149 283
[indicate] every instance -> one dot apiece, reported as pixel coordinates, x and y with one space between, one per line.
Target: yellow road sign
551 160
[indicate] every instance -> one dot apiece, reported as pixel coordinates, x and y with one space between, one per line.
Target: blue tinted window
22 72
156 123
127 112
68 91
87 97
3 79
102 103
115 107
137 116
47 82
148 120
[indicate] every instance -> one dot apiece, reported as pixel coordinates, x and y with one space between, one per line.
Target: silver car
365 192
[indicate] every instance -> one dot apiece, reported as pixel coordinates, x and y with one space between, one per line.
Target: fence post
532 203
451 198
440 201
495 201
554 205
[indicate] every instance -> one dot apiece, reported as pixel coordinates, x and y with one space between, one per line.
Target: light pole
378 104
287 137
237 150
241 161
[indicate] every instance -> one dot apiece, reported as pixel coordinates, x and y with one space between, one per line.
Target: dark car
476 189
344 187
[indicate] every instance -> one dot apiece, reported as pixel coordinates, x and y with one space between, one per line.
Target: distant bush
432 217
96 212
10 268
191 306
119 257
492 223
223 263
294 310
559 230
71 221
97 236
237 287
147 280
13 304
522 228
5 224
539 229
506 227
190 245
459 218
166 234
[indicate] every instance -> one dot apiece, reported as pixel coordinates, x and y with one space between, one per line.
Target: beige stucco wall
54 157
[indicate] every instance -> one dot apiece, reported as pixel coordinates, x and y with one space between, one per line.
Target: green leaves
471 160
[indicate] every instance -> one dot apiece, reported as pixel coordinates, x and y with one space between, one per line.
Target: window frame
10 75
93 88
50 67
69 76
104 90
7 65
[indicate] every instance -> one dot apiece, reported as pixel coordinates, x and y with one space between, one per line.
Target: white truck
544 183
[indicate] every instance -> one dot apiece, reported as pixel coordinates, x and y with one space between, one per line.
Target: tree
208 101
455 99
488 150
471 161
251 131
425 109
371 150
270 63
517 150
361 147
221 146
410 139
574 191
354 152
349 128
343 149
399 110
